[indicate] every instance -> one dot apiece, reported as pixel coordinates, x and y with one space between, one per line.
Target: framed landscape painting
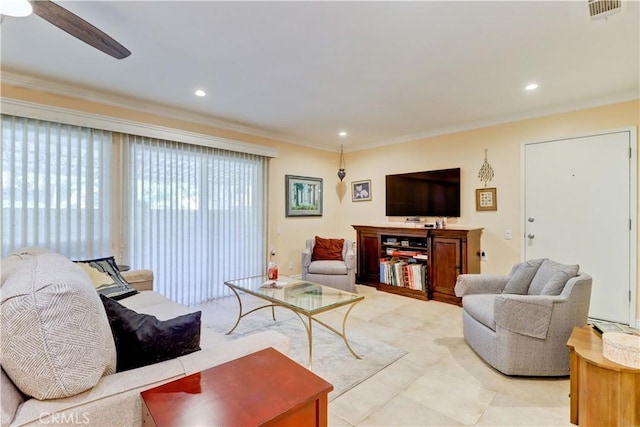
303 196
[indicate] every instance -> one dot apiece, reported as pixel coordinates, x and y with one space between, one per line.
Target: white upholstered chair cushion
480 307
328 267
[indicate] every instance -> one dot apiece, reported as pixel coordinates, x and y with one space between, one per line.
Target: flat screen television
421 194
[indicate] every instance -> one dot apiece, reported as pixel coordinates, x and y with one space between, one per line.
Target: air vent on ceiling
599 9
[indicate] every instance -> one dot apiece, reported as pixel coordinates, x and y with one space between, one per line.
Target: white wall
466 150
463 149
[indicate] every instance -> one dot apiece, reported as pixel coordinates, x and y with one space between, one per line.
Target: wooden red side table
265 388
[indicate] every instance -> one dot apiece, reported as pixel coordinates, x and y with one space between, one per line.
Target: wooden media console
445 253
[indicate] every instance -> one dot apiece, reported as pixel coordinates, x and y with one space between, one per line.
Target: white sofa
115 400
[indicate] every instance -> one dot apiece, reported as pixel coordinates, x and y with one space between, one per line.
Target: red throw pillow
327 249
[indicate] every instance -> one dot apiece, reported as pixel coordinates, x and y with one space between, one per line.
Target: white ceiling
302 71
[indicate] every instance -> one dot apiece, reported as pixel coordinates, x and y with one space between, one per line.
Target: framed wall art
361 191
486 199
303 196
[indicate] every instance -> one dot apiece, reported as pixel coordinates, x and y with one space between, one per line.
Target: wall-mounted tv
421 194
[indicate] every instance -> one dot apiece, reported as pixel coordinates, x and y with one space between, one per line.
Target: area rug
331 358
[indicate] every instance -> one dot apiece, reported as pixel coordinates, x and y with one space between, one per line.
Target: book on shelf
402 253
398 272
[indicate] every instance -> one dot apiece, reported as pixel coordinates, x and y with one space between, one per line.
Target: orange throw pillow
327 249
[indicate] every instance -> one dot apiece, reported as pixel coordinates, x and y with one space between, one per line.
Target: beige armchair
520 323
338 272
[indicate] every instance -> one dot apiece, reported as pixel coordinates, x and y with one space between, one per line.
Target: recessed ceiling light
342 134
200 92
531 86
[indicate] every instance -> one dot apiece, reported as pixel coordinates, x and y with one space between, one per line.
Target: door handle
531 235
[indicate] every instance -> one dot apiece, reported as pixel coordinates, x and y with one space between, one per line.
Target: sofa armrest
528 315
350 257
141 280
100 403
468 284
306 258
306 255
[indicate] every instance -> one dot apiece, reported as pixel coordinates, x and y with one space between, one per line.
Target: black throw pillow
142 339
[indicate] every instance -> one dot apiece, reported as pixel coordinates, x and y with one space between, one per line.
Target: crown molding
559 109
113 124
123 101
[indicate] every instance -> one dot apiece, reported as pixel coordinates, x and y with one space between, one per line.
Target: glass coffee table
306 299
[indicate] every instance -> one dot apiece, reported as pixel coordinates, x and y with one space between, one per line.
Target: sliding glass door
194 215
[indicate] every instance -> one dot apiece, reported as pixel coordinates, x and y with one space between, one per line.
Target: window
56 187
195 215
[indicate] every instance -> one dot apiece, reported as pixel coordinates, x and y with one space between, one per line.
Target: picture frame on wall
486 199
303 196
361 191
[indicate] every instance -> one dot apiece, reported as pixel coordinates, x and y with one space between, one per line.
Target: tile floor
441 381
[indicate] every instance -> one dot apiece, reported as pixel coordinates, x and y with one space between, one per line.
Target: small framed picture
361 191
486 199
303 196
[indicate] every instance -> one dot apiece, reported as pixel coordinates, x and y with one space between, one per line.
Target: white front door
579 208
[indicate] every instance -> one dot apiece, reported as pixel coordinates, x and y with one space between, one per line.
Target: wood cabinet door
445 264
368 258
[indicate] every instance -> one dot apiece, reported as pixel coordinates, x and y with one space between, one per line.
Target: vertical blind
194 215
56 190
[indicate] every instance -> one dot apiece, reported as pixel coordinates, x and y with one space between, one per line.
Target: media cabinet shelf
413 293
449 252
397 246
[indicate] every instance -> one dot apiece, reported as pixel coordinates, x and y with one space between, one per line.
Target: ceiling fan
69 22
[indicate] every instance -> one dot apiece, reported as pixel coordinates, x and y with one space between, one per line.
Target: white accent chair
337 274
520 323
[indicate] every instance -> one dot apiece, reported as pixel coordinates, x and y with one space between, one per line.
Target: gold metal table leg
241 314
310 334
342 334
308 324
239 311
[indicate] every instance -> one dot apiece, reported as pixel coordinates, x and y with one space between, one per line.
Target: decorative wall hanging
341 170
486 171
361 191
486 198
303 196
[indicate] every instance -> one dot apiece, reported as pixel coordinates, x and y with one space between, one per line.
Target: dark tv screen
420 194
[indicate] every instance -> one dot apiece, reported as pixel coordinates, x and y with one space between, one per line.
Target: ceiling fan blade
79 28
